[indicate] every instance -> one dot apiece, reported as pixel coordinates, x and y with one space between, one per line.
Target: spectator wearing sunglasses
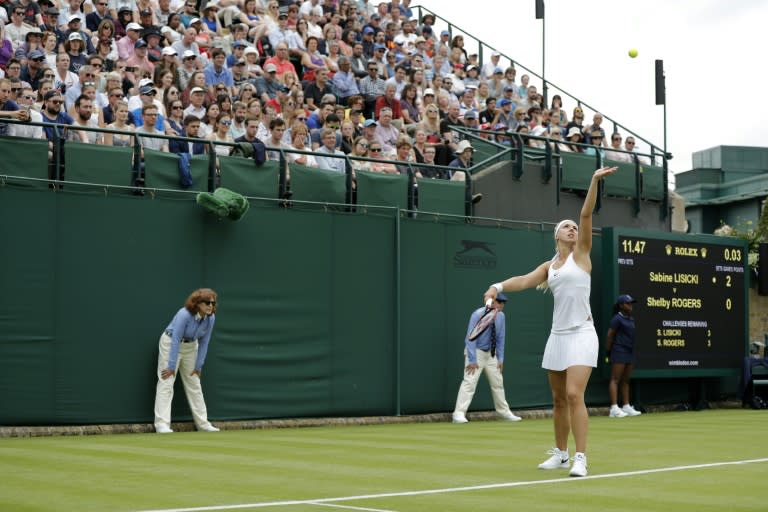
32 72
25 101
617 154
183 349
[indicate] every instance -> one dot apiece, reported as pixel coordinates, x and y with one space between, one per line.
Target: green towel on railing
224 203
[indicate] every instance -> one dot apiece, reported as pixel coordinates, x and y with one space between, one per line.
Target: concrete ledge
443 417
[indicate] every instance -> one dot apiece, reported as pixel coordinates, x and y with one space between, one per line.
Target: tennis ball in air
633 52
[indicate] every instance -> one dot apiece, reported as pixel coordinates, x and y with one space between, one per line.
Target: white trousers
488 365
164 395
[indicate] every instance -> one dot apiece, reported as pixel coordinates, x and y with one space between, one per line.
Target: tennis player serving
571 350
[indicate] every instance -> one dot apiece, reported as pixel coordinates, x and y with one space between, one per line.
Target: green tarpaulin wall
321 313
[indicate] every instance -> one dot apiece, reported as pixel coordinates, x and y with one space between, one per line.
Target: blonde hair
544 285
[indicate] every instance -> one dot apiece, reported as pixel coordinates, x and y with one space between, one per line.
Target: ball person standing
183 347
485 354
620 347
572 347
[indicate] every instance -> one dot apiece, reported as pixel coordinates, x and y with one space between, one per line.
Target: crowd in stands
334 77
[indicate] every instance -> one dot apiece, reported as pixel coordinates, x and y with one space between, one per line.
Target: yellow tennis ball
633 52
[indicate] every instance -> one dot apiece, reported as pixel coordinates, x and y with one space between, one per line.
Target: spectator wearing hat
140 60
75 48
489 68
32 72
187 69
189 13
188 43
69 9
282 62
126 45
573 136
595 143
32 41
76 25
123 15
50 24
197 96
485 354
146 19
470 78
368 42
210 19
268 84
280 33
100 13
620 348
463 160
147 98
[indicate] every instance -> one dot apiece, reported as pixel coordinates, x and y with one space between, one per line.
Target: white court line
455 489
348 507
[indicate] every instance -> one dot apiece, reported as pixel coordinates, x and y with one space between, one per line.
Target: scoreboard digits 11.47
691 292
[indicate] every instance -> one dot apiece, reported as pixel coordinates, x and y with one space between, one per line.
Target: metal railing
483 48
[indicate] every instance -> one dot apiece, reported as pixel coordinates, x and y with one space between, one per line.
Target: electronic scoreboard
691 292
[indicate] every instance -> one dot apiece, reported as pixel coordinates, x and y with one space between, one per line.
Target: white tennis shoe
630 411
617 413
163 429
558 459
511 417
579 467
459 417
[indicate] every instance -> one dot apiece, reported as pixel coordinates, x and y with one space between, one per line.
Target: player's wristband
499 287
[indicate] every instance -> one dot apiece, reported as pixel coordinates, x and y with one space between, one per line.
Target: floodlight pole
540 16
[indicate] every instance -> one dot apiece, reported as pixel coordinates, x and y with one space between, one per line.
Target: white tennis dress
573 339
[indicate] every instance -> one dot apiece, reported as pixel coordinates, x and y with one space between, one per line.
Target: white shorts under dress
577 346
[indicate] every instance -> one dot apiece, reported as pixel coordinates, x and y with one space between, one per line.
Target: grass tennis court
694 461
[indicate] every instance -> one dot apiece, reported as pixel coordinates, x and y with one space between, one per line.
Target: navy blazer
182 146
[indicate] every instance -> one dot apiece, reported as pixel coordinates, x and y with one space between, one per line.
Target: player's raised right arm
519 283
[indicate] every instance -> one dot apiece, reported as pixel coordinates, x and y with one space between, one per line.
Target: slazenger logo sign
475 254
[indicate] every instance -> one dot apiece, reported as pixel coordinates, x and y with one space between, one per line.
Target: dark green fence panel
24 157
441 196
577 171
320 313
318 185
162 171
377 189
93 163
243 176
28 275
653 182
622 182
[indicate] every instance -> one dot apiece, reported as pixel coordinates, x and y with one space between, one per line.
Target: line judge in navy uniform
485 354
183 347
